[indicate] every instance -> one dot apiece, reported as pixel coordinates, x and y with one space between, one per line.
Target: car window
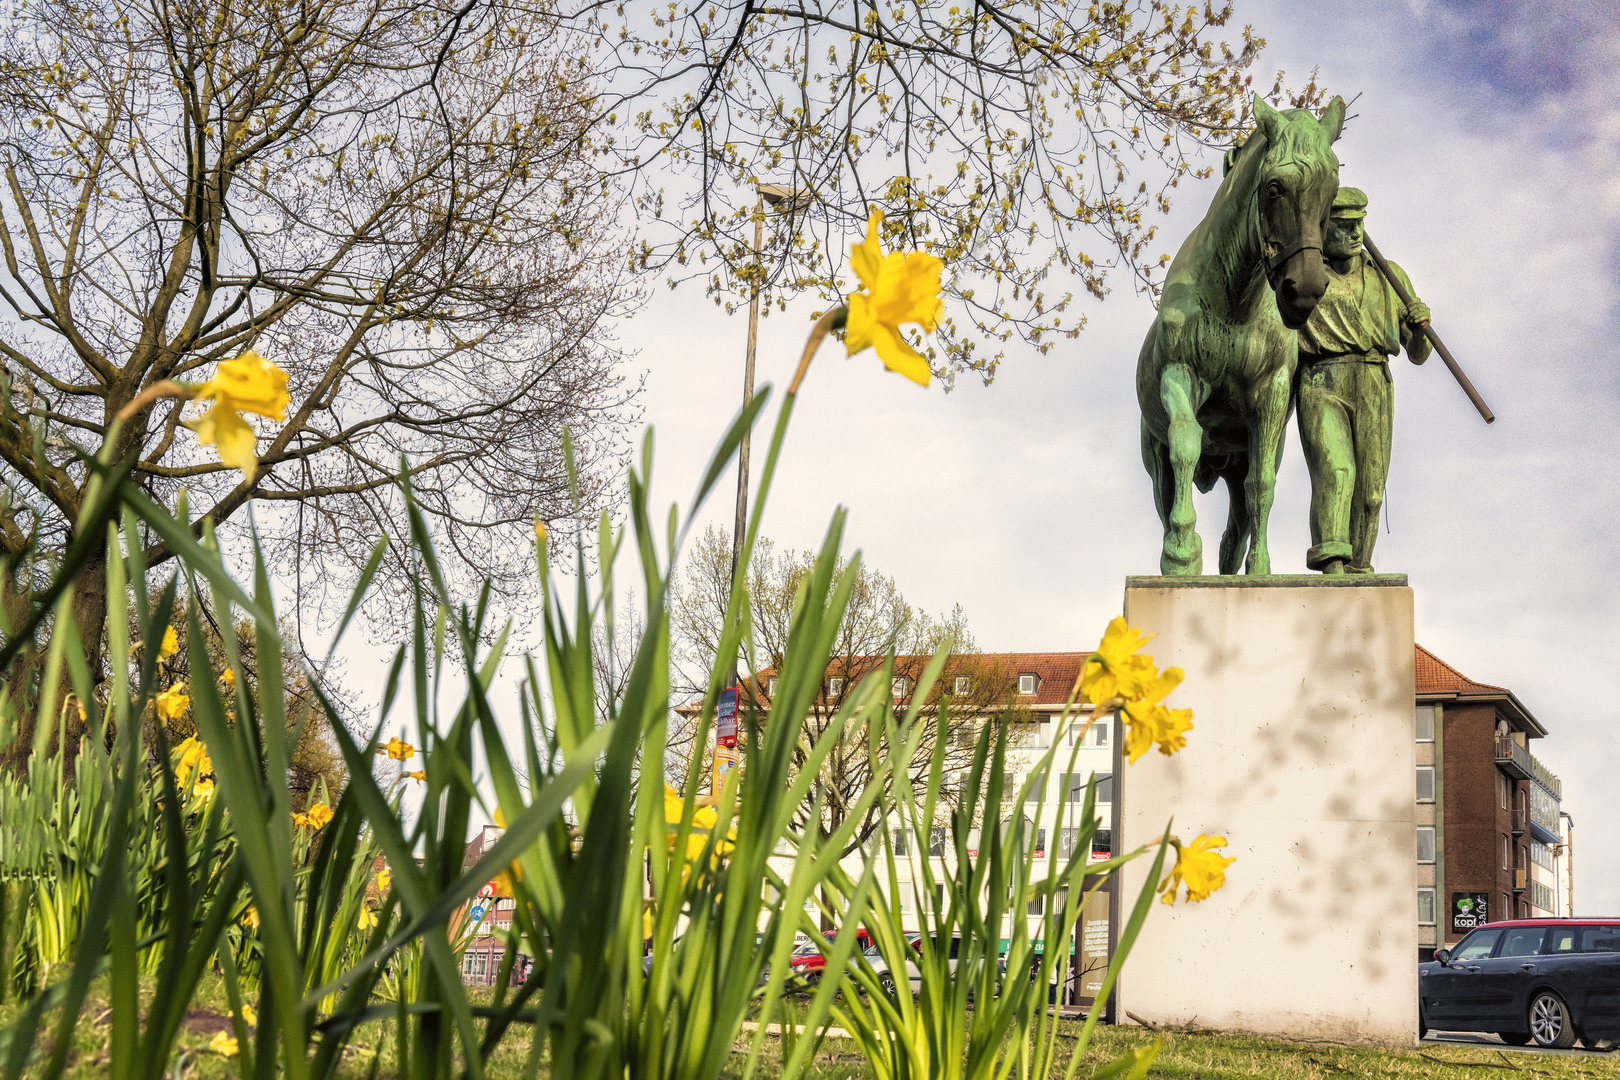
1523 941
1600 939
1561 940
1477 946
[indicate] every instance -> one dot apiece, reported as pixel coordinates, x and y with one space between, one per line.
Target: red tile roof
1435 676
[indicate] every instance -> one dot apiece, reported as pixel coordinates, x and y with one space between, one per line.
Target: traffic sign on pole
725 721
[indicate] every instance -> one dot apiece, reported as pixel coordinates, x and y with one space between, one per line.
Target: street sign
488 890
725 721
477 912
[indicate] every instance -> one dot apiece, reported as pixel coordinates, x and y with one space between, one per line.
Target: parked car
886 978
1546 981
807 962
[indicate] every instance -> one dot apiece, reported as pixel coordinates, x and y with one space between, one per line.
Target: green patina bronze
1346 393
1215 376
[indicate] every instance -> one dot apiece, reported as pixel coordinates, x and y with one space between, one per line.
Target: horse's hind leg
1183 550
1235 540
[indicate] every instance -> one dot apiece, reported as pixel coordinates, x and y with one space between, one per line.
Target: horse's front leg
1183 550
1268 429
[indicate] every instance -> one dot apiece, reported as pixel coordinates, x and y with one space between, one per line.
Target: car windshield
1476 946
809 948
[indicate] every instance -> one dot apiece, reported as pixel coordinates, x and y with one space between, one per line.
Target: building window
961 686
1037 786
936 841
1507 854
1026 683
770 687
1425 843
1541 855
1066 839
1504 789
901 686
1040 843
1037 906
900 842
1096 735
1102 844
1425 723
1425 907
835 687
1425 783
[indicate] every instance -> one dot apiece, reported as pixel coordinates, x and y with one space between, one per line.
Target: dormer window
770 687
1027 683
901 686
835 686
962 686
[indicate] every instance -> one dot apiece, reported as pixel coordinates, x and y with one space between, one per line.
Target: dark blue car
1546 981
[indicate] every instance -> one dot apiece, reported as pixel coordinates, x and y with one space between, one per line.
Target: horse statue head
1294 189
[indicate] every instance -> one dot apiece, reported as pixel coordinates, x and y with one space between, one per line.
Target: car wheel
1550 1022
1514 1038
886 983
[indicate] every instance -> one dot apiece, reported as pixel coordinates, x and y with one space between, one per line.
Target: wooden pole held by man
1428 331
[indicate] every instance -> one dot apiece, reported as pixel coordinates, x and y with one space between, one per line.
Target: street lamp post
783 200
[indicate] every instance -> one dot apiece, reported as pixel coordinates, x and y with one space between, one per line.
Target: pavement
1491 1042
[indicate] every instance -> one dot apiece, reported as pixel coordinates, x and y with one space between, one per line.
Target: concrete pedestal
1302 755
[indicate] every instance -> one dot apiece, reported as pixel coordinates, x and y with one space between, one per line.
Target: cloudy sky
1487 142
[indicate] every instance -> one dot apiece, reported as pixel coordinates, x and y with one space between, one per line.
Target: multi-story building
490 917
1492 841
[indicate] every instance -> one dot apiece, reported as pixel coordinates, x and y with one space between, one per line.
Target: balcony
1519 822
1513 758
1521 879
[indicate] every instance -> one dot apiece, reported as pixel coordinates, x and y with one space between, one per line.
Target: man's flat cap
1350 203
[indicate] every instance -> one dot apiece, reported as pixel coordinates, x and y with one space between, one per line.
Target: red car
807 962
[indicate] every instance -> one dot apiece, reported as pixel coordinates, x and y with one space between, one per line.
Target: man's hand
1417 313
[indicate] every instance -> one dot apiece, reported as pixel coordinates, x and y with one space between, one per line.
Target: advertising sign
1468 910
725 721
725 759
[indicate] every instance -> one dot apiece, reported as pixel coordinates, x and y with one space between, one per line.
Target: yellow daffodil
399 749
84 714
173 702
250 383
368 917
190 756
223 1044
704 822
228 677
1115 669
901 287
249 1017
300 820
1148 722
231 436
1199 866
250 917
171 644
318 816
384 880
420 776
203 790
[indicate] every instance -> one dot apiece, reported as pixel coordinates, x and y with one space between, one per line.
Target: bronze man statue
1345 391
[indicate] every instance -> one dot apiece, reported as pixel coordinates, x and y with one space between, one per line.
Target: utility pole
783 200
748 393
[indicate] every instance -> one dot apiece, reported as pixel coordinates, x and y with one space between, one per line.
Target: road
1475 1038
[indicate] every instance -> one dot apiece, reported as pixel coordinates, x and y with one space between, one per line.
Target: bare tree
1010 137
391 199
878 624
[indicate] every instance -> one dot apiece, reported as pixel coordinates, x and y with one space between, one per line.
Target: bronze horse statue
1215 376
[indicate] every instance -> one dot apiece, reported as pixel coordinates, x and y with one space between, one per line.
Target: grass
1185 1056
